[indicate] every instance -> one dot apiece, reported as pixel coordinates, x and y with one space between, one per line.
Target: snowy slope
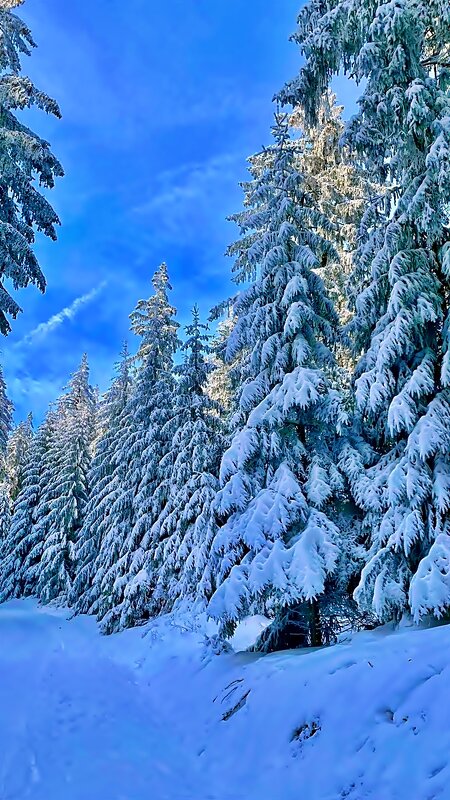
141 715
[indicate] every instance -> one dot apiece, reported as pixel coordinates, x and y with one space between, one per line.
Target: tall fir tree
401 137
122 584
6 410
340 190
5 513
68 487
17 455
183 534
221 380
277 542
104 490
22 549
25 159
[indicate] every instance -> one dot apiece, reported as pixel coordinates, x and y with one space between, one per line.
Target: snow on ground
144 714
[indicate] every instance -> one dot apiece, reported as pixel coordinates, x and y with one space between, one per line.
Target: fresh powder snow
153 713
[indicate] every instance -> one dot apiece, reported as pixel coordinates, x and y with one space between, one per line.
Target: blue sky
162 102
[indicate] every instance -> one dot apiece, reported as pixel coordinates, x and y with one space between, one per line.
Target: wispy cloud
44 328
191 202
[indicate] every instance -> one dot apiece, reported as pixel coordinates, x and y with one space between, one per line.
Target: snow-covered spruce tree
104 488
21 551
17 455
183 534
13 465
5 428
64 515
220 380
277 542
401 137
25 159
122 582
340 190
6 409
5 513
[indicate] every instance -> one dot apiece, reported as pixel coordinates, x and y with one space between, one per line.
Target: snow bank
149 713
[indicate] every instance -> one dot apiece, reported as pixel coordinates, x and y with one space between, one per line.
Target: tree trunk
315 627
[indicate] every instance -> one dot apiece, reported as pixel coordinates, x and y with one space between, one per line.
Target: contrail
69 312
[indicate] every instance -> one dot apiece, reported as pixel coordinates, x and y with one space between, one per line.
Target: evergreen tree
220 382
21 550
5 513
104 490
67 486
25 159
6 409
183 534
401 137
5 428
339 188
122 584
277 543
17 455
